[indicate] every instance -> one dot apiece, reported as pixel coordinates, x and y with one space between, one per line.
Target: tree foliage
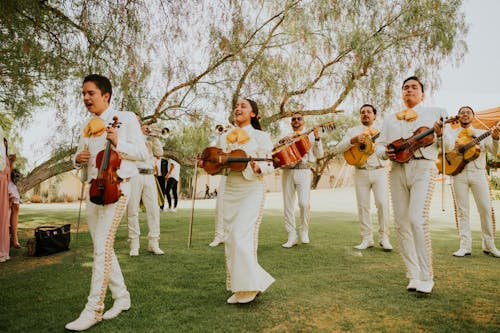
168 62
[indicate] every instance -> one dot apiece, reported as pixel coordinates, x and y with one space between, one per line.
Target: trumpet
220 129
157 133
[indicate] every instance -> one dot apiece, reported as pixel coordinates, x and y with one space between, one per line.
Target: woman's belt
146 171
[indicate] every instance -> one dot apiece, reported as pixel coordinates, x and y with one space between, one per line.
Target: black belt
419 158
365 168
146 171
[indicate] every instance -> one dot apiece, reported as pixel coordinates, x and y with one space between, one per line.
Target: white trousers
143 186
376 181
296 181
219 218
103 222
476 181
412 186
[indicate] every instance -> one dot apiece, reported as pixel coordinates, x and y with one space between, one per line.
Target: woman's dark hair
416 79
369 105
101 82
466 107
255 109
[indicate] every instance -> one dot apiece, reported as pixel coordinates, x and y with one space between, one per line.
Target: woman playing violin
242 205
412 183
128 143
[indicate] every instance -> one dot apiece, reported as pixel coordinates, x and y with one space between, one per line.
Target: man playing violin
474 177
412 183
370 175
296 178
103 220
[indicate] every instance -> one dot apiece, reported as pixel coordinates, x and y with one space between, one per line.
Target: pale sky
475 82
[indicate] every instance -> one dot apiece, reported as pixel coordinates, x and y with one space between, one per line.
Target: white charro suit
143 185
372 176
297 179
104 219
473 177
412 186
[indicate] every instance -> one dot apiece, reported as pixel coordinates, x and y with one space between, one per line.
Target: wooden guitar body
358 154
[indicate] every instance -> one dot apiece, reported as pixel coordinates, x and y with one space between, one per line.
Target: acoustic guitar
358 154
290 150
456 160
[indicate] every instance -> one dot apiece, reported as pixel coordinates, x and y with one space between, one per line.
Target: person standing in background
143 187
173 175
4 200
296 179
370 175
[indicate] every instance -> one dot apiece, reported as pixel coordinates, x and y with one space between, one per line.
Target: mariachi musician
473 177
296 178
103 219
370 174
412 182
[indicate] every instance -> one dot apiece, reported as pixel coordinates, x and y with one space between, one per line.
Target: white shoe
233 299
154 248
385 244
491 249
304 236
134 247
246 296
461 253
117 308
412 285
292 241
425 287
365 243
83 323
173 210
216 242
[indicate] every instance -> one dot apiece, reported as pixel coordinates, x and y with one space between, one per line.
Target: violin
422 137
105 189
213 160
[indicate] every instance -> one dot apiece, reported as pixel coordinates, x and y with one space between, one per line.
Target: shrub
35 198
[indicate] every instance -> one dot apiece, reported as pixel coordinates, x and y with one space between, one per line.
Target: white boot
304 236
461 253
216 242
154 247
385 244
490 248
292 241
122 304
134 247
365 243
82 323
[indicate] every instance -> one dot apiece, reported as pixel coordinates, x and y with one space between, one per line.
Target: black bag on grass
51 239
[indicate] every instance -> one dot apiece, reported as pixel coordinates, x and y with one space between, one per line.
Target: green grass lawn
325 286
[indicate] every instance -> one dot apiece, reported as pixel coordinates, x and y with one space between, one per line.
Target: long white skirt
243 204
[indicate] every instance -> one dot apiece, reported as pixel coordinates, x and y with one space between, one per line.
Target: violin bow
84 177
193 197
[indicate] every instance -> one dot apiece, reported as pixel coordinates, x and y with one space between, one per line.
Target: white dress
242 207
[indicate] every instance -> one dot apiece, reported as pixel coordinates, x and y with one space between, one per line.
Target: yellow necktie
238 135
408 115
95 127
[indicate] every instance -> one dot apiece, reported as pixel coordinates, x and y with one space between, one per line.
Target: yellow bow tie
95 127
238 135
408 115
465 134
370 131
